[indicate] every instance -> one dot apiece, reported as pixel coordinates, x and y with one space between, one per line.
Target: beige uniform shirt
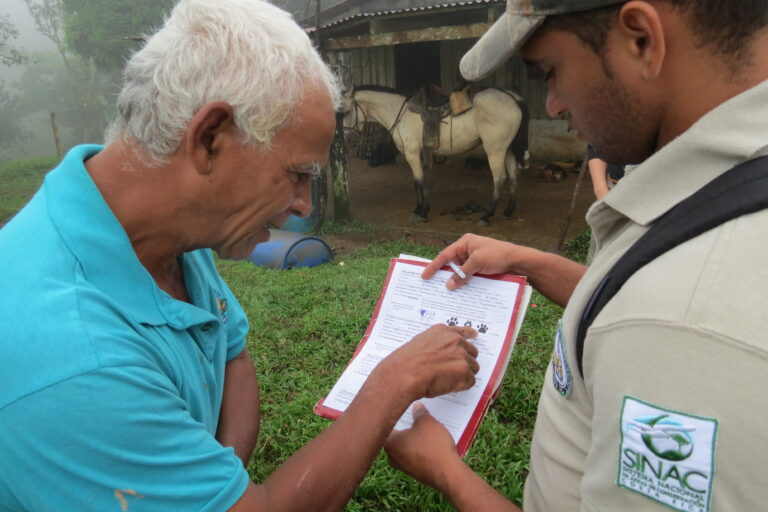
673 410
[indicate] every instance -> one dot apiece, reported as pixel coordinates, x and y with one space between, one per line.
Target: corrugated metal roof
350 10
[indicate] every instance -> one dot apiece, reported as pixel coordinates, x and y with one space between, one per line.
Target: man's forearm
552 275
330 467
323 474
239 416
470 493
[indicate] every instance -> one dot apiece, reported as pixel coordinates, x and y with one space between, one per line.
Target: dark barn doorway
416 65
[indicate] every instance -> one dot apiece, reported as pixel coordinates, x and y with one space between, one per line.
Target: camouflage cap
515 26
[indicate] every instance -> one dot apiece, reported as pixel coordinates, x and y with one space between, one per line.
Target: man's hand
477 255
440 360
552 275
425 451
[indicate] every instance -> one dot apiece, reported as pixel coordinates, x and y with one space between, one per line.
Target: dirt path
384 197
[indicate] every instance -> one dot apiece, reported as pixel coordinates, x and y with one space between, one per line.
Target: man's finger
474 366
470 348
456 281
464 331
419 411
439 262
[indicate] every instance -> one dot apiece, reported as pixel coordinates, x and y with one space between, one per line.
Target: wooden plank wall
369 66
376 66
511 76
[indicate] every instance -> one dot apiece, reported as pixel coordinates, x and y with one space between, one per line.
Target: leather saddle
433 104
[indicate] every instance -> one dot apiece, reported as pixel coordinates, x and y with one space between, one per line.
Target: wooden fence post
339 163
322 181
579 180
56 138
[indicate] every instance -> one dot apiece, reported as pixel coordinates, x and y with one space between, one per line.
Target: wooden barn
406 44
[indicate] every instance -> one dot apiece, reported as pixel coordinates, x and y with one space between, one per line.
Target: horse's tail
519 146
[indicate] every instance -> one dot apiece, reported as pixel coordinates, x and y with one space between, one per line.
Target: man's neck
706 82
148 202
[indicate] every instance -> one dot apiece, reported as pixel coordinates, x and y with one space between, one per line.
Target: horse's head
354 117
351 122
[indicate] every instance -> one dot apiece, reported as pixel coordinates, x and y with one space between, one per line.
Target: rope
399 116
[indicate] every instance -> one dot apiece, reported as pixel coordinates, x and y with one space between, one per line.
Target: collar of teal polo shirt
101 245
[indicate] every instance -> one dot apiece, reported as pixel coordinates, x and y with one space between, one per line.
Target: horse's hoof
418 218
483 223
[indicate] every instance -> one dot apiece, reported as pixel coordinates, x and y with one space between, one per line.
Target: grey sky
29 38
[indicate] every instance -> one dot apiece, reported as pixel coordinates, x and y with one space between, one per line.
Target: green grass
18 181
305 325
577 248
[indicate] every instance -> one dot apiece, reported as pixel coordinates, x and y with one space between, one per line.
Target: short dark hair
727 27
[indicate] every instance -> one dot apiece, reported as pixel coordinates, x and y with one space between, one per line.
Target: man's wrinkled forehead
528 50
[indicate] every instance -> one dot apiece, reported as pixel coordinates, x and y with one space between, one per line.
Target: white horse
498 120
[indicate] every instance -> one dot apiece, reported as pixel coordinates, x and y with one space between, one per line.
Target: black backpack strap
742 190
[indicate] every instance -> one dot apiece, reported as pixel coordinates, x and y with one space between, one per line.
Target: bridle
356 106
359 108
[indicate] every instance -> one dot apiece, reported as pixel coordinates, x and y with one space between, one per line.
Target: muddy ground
385 198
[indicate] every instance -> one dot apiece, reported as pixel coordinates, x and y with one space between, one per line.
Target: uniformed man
668 413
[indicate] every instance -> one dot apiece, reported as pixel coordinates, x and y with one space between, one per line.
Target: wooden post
339 163
576 188
56 138
322 181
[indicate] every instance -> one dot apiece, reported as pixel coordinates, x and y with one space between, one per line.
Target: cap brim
497 45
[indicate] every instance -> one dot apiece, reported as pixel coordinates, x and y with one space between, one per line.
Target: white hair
248 53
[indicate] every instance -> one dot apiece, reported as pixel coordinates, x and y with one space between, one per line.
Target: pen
456 269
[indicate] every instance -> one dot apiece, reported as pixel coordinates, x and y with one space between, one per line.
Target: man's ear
641 31
204 131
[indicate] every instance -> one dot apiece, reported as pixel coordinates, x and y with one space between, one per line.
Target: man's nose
555 108
302 203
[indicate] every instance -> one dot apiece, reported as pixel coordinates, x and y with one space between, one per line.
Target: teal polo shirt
110 390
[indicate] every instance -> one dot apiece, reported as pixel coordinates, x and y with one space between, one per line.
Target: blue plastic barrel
298 224
286 249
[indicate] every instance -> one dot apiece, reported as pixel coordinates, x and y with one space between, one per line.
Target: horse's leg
496 162
422 202
512 168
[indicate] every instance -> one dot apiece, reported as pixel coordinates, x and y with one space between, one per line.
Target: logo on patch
667 456
561 370
665 437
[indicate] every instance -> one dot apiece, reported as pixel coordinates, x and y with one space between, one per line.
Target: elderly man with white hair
126 383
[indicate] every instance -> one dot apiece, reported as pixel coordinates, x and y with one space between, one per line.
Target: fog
77 85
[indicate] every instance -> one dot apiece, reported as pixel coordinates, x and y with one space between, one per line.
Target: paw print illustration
468 323
482 328
452 321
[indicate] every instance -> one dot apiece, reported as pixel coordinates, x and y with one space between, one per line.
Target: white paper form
410 305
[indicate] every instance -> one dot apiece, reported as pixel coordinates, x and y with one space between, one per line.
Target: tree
79 94
81 107
9 54
11 130
102 30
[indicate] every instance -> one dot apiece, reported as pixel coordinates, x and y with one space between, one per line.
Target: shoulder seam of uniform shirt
75 376
711 252
634 322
